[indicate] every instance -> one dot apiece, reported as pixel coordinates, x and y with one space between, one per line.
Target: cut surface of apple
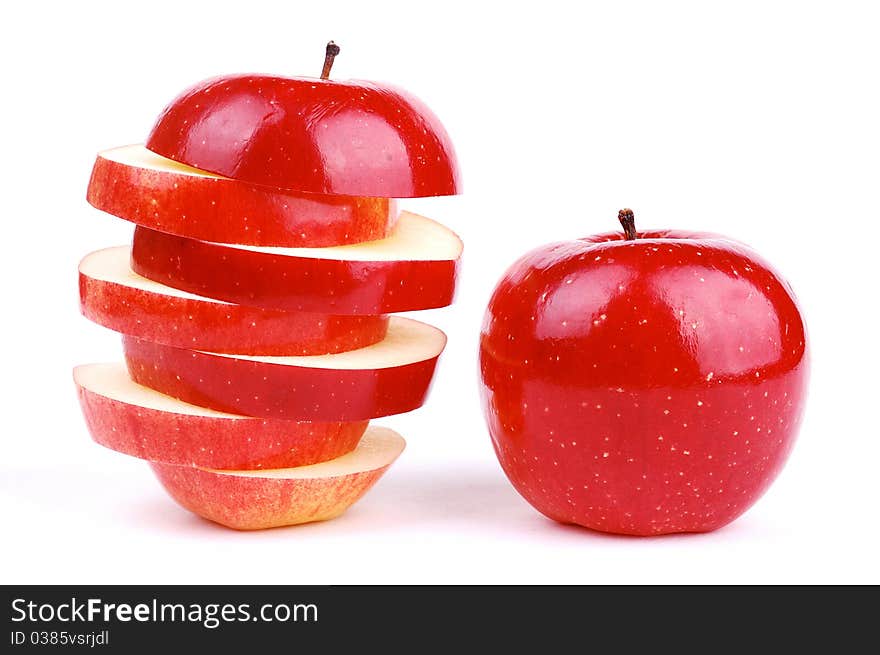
253 500
389 377
414 268
140 186
132 419
114 296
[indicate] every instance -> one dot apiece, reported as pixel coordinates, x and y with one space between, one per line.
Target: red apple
645 384
307 134
415 267
140 186
112 295
390 377
254 500
138 421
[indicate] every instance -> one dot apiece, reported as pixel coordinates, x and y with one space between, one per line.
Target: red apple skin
227 211
643 387
256 503
290 283
219 327
270 390
353 138
211 441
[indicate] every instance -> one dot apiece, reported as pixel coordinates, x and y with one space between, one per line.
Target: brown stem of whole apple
329 56
628 220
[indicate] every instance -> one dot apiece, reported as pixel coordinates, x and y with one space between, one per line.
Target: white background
758 120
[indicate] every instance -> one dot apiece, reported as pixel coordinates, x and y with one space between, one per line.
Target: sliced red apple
138 421
389 377
114 296
254 500
140 186
415 267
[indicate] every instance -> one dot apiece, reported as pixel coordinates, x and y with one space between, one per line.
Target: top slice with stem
310 134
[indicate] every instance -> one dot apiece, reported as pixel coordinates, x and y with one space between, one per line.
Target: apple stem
329 56
628 221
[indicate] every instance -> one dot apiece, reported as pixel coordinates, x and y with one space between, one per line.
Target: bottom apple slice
254 500
129 418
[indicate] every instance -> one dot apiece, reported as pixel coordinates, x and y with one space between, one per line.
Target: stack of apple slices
256 331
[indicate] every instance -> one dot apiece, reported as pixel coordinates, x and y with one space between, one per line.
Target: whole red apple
643 383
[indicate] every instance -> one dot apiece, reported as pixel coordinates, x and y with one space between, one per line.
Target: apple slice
138 421
112 295
319 135
254 500
413 268
390 377
140 186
